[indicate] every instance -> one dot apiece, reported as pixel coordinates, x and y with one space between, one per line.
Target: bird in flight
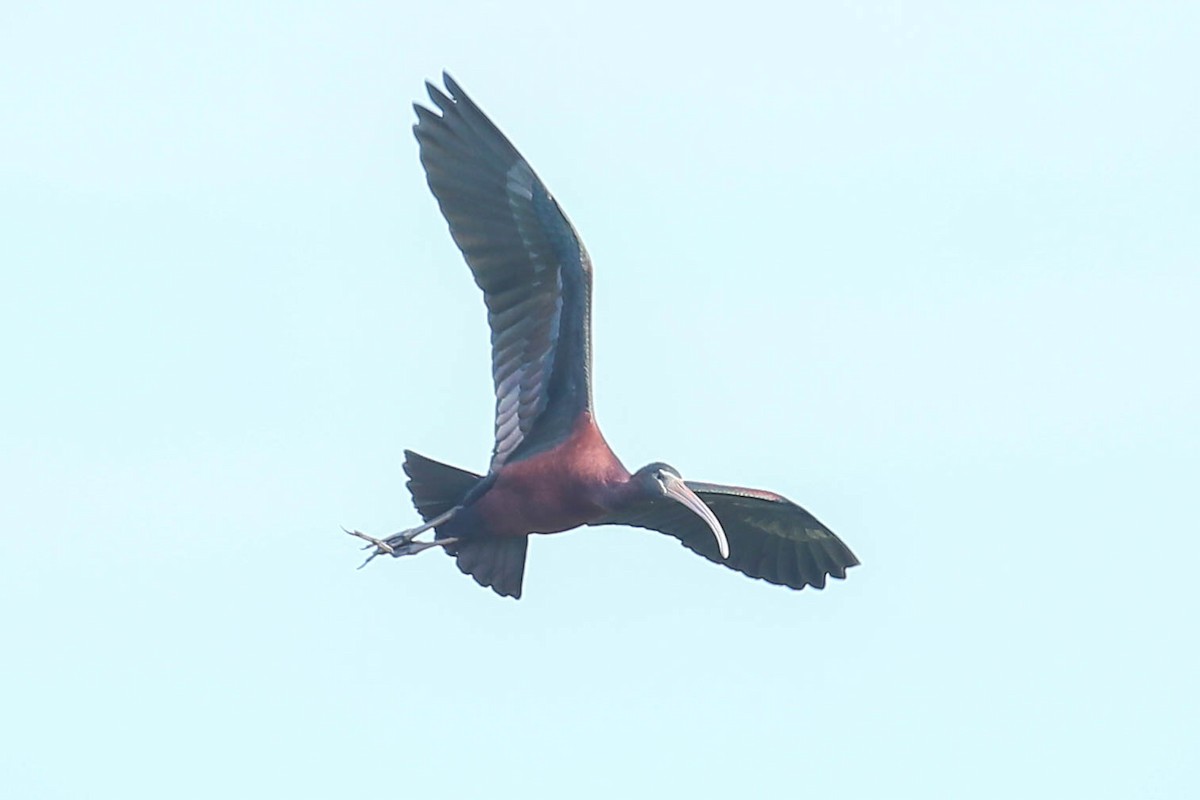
551 469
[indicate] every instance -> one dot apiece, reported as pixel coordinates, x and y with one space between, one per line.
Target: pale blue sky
931 271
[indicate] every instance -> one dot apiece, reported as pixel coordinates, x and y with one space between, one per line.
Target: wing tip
452 86
439 98
453 94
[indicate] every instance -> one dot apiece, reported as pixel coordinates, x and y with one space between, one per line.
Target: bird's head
663 480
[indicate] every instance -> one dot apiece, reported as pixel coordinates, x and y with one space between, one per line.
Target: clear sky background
931 271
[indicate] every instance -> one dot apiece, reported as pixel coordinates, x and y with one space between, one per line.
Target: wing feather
525 256
770 537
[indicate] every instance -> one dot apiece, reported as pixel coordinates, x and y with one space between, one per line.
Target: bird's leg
404 543
406 537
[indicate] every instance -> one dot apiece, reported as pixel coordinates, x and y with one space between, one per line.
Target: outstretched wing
770 537
533 269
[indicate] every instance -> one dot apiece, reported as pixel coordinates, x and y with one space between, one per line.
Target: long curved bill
678 490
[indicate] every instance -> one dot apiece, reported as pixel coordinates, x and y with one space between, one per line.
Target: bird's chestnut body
578 481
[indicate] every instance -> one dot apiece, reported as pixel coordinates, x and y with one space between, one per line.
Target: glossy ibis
551 469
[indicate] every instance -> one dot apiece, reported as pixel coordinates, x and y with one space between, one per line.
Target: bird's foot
380 544
399 544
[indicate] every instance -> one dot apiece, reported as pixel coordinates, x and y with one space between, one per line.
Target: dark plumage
551 469
535 274
770 537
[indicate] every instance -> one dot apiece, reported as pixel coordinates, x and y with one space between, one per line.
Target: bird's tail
436 487
496 562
